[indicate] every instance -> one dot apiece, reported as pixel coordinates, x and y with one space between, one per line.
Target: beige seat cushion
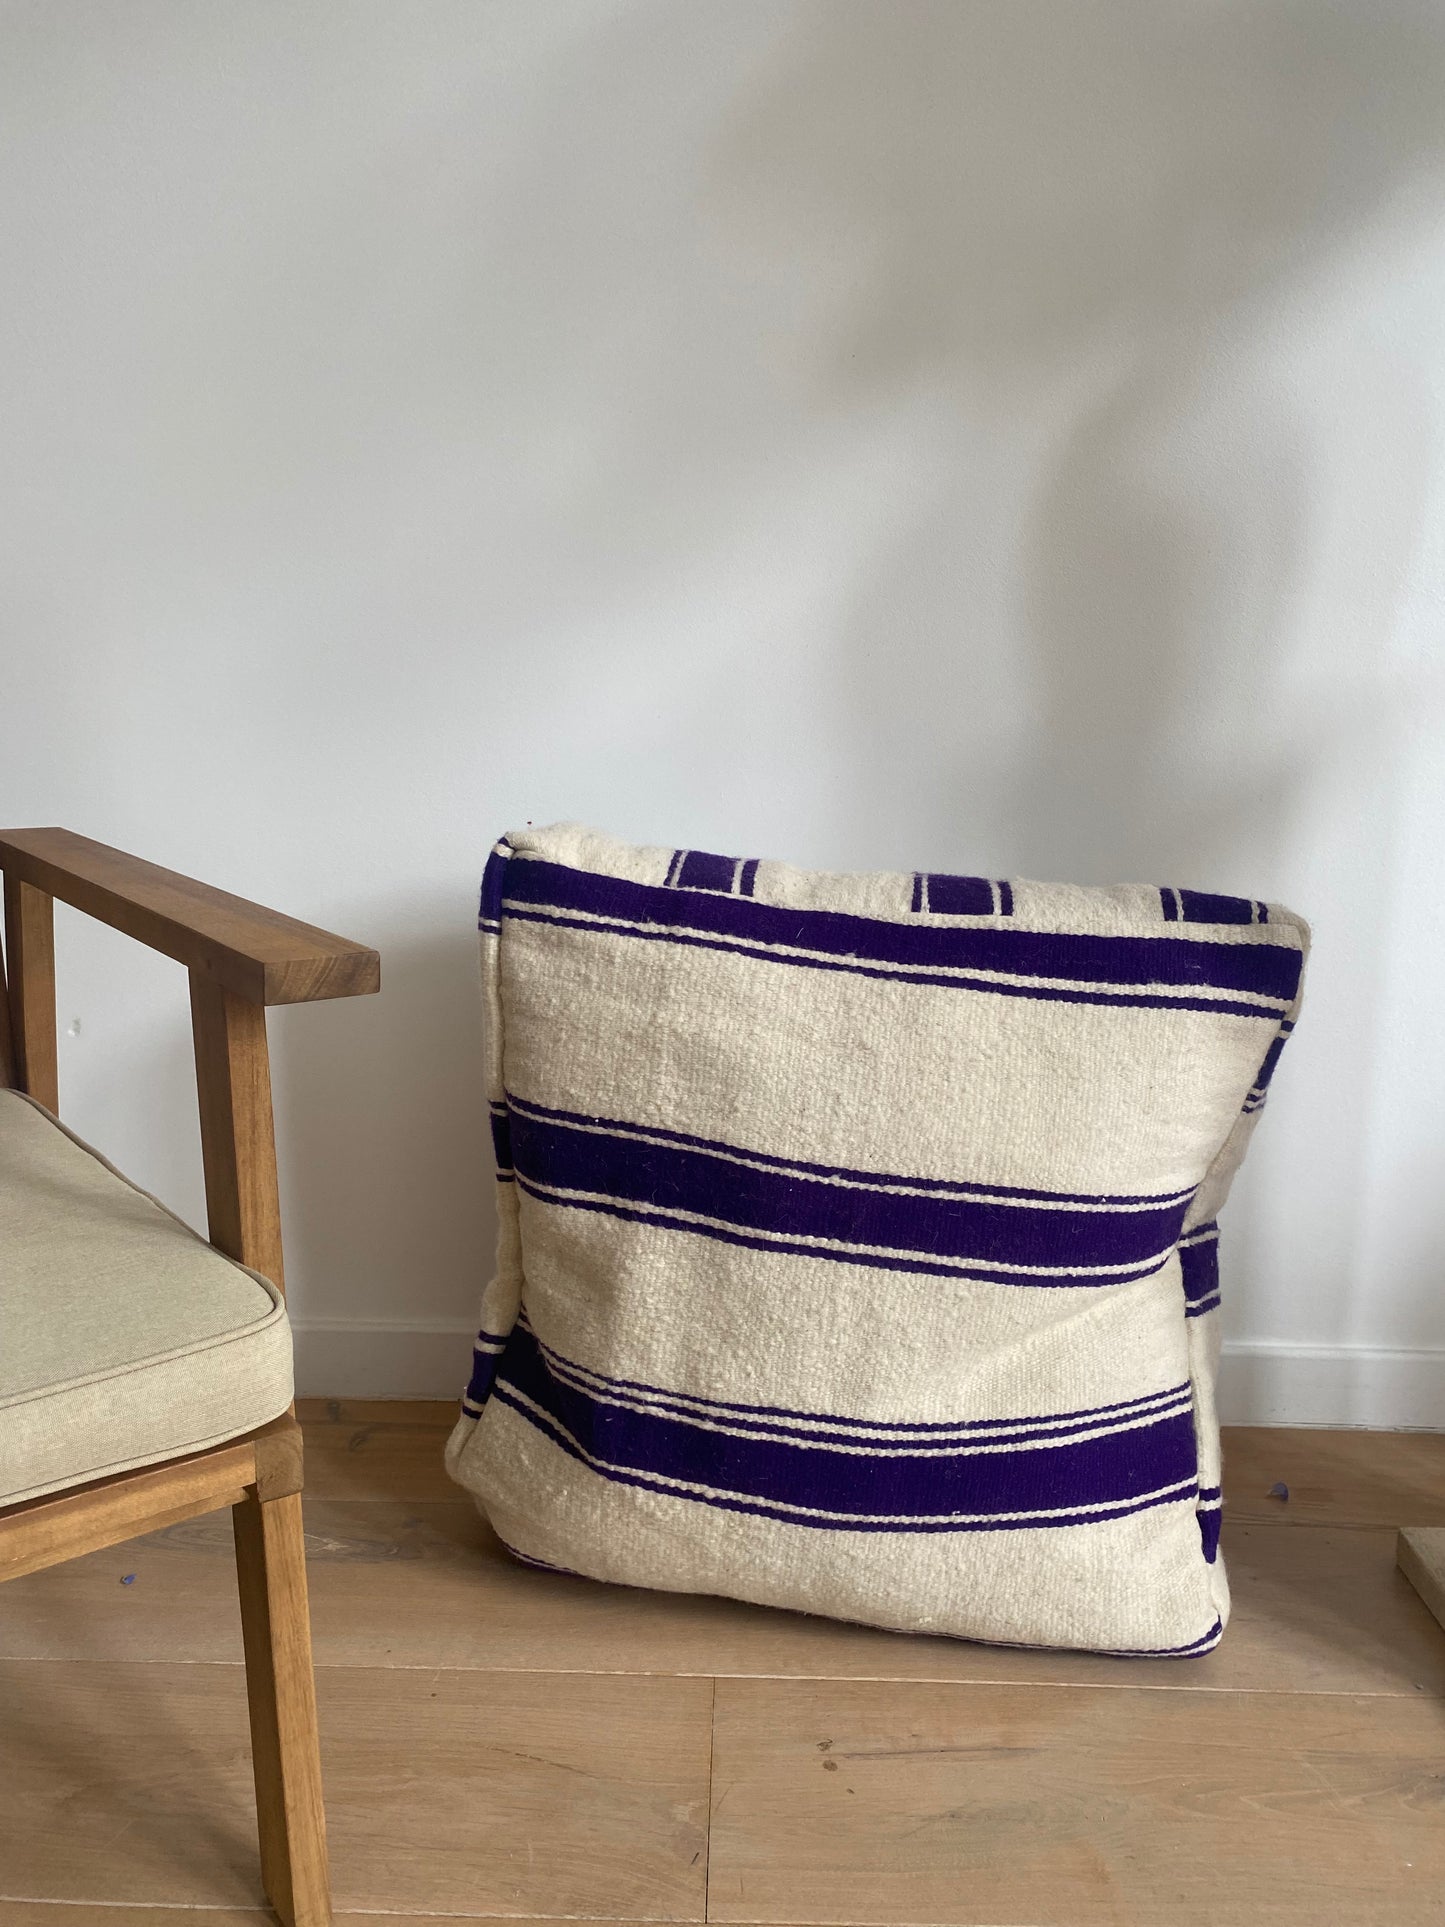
124 1338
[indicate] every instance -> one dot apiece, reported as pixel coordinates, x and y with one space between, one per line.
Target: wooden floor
500 1741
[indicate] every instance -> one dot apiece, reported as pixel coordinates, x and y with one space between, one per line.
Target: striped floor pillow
857 1246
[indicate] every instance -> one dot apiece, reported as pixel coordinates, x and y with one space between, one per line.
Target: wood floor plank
51 1913
377 1448
1334 1478
860 1801
451 1793
427 1585
62 1913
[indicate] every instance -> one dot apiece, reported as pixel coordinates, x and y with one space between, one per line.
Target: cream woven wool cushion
124 1338
857 1244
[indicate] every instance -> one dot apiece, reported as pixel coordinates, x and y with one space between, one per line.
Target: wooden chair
240 958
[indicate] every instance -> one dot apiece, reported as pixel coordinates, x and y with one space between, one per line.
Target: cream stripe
1209 993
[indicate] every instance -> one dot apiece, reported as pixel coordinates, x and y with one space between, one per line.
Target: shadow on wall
1093 209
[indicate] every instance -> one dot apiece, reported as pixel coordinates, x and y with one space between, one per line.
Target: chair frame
241 958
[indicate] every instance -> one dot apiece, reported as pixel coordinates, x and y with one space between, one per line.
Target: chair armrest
255 953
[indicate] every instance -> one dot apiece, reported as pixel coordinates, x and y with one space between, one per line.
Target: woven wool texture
858 1244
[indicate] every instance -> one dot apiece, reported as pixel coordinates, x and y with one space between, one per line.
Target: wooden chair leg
271 1569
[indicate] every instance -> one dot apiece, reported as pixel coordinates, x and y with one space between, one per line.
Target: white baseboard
381 1358
1366 1385
1260 1383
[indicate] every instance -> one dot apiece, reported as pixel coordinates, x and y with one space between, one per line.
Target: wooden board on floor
427 1585
1421 1557
857 1801
452 1793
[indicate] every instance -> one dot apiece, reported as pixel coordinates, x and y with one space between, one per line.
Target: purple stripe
916 901
551 1155
484 1367
959 896
747 877
1152 963
925 1267
493 882
549 1113
1115 1473
1005 898
1211 1518
1203 906
1271 1061
700 870
1199 1267
502 1140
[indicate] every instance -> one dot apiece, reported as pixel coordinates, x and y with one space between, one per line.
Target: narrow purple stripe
727 1408
1196 1647
911 1439
747 877
531 1559
1215 1006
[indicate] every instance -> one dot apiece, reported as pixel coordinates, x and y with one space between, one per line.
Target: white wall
999 438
